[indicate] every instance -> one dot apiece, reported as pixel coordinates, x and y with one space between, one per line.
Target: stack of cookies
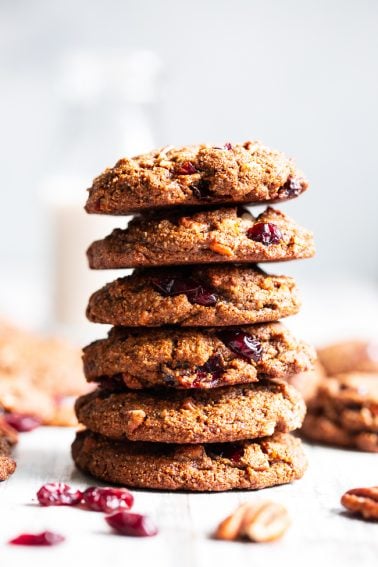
193 388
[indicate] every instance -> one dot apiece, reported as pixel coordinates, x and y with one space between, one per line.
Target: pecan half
362 501
260 522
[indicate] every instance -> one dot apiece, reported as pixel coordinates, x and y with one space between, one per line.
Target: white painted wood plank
320 531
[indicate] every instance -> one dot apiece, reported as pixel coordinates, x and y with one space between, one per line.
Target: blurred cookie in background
39 377
343 409
349 356
307 383
344 412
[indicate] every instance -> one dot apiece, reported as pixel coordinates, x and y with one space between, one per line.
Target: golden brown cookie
278 459
203 416
39 376
196 358
349 356
188 296
345 412
196 175
210 236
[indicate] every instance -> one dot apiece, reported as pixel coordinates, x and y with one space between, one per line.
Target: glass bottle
108 109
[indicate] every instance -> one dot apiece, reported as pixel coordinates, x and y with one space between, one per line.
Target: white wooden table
321 533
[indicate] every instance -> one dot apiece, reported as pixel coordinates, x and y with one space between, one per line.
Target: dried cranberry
242 344
130 524
44 538
291 188
201 189
265 232
230 451
107 499
22 422
187 168
213 367
194 291
58 494
228 146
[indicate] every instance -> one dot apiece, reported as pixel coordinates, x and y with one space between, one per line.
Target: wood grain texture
320 533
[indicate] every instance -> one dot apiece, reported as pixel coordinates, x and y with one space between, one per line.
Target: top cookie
195 175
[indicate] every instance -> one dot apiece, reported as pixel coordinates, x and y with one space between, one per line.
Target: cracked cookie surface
174 416
195 358
229 234
278 459
195 175
216 295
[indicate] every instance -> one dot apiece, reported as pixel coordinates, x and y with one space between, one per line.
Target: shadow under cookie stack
193 379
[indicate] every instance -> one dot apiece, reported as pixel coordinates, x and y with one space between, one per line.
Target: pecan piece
260 522
219 248
362 501
135 419
229 528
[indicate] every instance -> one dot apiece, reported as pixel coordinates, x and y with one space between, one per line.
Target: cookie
189 296
174 416
8 438
195 358
320 429
349 356
195 175
345 412
39 376
307 383
210 236
278 459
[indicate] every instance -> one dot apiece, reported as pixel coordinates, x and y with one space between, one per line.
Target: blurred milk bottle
108 110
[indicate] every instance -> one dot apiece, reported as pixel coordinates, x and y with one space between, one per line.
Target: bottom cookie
207 467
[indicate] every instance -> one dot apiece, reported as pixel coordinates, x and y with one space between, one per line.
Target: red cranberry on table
130 524
265 232
107 499
21 422
43 538
58 494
